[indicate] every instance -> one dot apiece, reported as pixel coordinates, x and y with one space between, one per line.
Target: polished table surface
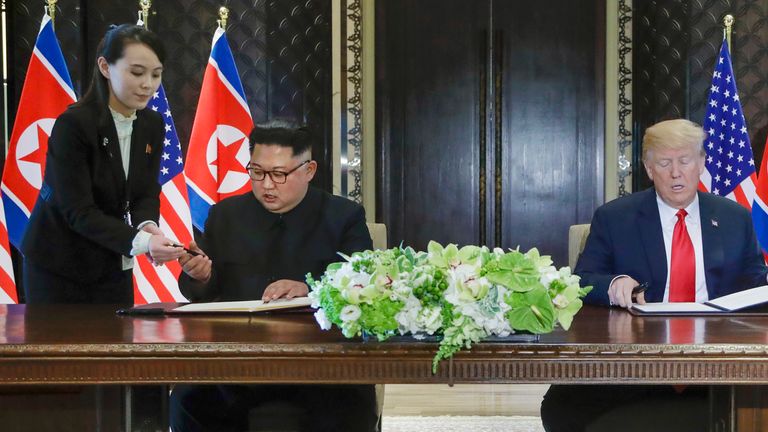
84 344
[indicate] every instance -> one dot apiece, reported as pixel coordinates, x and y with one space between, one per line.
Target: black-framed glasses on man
277 176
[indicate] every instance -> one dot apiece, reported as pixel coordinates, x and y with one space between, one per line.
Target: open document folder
244 306
736 302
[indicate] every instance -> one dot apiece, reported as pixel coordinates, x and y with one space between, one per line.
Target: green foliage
460 294
531 311
379 320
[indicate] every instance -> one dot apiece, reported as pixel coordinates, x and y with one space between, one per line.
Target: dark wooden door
552 83
429 65
489 120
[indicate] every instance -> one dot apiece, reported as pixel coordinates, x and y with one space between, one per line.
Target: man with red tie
685 245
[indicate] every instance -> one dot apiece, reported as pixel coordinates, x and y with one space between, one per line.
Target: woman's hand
162 251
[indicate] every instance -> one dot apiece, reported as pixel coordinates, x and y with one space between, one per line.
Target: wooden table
89 344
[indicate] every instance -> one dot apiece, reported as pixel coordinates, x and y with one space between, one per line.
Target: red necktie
682 269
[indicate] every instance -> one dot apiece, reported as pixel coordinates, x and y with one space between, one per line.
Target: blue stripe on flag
223 57
49 48
15 220
199 209
760 219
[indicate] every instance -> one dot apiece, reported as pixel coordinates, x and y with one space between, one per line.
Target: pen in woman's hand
189 251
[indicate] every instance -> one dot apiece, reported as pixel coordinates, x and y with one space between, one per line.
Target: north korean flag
46 93
218 146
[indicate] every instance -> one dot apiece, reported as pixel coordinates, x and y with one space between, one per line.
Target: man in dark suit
685 245
261 245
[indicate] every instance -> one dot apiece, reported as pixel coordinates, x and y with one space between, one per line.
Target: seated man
260 245
686 245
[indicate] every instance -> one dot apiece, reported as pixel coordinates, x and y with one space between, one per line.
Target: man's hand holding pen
625 290
195 262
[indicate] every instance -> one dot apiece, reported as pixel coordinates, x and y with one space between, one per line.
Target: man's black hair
283 134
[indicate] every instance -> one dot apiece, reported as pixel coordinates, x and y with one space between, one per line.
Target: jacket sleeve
755 272
69 175
595 265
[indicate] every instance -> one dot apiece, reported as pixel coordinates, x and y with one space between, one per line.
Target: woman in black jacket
99 202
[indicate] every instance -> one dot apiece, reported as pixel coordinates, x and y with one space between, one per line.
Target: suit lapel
712 243
652 238
108 143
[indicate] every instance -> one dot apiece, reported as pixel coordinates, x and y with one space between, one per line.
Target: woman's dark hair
112 48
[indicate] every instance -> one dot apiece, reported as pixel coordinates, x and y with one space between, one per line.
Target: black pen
189 251
141 311
640 288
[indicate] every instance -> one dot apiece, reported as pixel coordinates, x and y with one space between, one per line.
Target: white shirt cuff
145 223
140 244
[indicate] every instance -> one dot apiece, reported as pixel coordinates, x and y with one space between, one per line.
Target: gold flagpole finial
145 5
223 16
52 9
728 21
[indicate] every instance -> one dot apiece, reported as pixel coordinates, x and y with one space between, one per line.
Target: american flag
151 283
730 167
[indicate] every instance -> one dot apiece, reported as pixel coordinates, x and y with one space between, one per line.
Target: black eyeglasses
277 176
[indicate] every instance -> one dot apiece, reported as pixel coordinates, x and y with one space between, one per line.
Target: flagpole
52 12
5 76
144 12
223 16
728 21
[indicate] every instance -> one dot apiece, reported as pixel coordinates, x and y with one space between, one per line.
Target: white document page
742 299
662 308
245 306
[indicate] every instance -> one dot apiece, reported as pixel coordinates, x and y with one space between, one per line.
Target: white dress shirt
124 127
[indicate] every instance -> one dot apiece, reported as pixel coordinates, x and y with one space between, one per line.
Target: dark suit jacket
76 228
626 238
251 247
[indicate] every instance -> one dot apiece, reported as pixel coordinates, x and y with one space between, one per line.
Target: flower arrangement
460 295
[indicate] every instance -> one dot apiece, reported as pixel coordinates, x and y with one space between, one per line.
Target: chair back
378 235
577 238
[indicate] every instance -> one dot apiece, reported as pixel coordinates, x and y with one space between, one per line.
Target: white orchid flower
350 313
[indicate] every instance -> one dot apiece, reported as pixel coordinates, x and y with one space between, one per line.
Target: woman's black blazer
76 228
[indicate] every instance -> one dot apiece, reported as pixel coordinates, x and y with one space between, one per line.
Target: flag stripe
171 222
177 221
48 48
6 298
749 188
222 55
55 74
739 197
169 274
160 283
143 286
154 281
177 194
760 213
7 192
